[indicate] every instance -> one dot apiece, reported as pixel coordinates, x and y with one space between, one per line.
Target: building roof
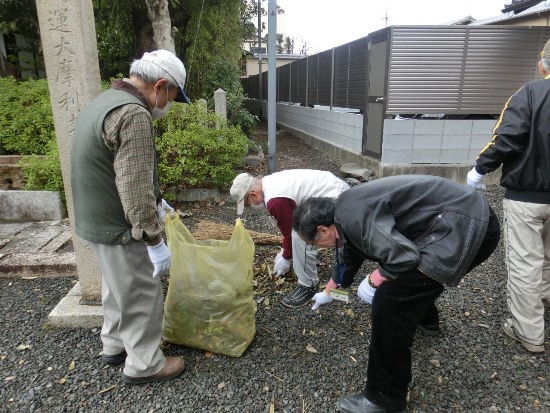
541 7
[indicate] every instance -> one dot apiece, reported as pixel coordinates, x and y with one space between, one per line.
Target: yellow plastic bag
210 302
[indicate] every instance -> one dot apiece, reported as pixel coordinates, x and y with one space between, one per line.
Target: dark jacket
521 143
411 222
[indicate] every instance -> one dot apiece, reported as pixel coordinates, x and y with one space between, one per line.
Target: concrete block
398 127
428 127
455 156
427 142
31 206
457 127
403 142
483 127
199 194
430 156
70 313
397 156
455 142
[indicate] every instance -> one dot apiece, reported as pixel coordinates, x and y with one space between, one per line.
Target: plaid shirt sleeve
128 133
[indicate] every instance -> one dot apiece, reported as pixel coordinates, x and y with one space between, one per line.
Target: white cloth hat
365 291
239 189
168 62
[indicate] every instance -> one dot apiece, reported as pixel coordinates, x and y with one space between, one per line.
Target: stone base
70 313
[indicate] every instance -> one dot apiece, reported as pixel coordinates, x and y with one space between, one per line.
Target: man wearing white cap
521 144
281 192
118 208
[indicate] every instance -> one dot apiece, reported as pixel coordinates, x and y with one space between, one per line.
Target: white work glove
365 291
281 267
162 209
474 179
320 299
160 257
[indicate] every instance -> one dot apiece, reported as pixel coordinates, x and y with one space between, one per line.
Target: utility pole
260 97
271 83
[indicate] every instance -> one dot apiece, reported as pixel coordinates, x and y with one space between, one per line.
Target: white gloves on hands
281 267
365 291
320 299
160 257
162 209
474 179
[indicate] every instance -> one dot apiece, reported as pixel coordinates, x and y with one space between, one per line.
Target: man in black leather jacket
424 232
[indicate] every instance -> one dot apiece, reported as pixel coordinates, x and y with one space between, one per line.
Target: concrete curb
71 313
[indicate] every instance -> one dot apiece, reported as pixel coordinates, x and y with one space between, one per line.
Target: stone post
67 30
220 103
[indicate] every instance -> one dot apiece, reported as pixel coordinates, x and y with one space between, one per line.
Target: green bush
194 152
26 120
43 173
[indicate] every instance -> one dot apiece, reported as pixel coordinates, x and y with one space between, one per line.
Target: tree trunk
161 24
143 29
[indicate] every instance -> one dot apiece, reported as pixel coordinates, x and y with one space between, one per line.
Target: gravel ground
471 367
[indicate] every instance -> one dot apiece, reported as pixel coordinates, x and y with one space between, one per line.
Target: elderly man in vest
281 192
117 205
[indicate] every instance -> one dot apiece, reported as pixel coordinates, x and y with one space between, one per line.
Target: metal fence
428 69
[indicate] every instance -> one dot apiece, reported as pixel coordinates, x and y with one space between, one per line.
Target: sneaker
429 329
358 403
173 368
114 359
299 296
508 328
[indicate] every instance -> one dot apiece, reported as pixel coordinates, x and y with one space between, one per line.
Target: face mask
160 113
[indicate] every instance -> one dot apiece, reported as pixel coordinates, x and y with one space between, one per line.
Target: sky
325 24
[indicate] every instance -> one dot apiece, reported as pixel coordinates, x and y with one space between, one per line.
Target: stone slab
31 206
42 265
70 313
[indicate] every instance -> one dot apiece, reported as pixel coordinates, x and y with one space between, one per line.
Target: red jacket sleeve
281 209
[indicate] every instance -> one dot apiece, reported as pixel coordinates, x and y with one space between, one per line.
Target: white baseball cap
239 189
169 62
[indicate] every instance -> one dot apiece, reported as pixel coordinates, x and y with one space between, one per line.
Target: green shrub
26 120
193 152
43 173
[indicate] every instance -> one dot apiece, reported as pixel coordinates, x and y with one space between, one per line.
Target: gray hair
310 214
545 64
150 72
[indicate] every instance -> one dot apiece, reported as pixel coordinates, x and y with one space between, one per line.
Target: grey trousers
132 307
527 240
304 257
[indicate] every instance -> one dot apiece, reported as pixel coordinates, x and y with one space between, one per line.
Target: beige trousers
527 240
132 307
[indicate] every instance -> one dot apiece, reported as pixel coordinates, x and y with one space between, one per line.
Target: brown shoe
173 368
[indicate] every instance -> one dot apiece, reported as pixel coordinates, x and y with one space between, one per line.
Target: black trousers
398 307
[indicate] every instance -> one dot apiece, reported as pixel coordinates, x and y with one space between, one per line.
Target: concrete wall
446 148
415 141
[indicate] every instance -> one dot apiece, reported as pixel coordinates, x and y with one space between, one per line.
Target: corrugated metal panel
448 69
341 74
283 83
302 80
357 73
325 73
294 72
313 79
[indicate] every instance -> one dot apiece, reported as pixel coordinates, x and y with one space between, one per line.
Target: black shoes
114 359
358 403
299 296
429 329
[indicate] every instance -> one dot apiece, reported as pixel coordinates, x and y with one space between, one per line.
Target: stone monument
68 36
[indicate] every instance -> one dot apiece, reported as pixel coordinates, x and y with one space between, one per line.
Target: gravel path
471 367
